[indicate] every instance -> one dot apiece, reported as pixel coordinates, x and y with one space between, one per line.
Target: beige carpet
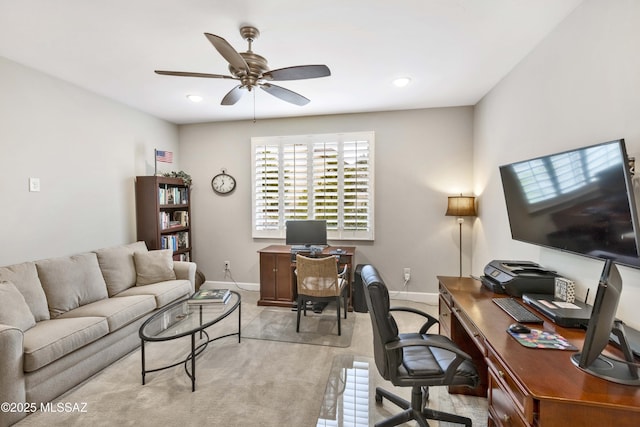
255 382
279 324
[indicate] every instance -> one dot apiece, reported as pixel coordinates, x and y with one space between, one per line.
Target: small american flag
164 156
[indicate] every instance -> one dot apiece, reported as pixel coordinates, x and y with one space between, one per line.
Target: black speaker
359 303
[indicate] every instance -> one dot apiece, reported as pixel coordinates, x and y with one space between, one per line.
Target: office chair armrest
430 319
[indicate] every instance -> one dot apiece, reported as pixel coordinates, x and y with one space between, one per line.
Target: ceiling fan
252 71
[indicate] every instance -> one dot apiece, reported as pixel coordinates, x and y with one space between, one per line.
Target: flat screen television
582 201
579 201
306 233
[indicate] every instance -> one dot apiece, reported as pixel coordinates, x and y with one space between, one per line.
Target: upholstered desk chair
319 281
417 360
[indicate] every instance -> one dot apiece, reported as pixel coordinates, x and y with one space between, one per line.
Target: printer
517 277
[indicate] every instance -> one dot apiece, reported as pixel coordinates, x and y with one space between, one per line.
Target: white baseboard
423 297
232 285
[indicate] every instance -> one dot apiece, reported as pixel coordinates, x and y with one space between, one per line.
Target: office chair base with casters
415 410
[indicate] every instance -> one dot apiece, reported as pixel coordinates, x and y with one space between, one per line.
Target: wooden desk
529 387
278 281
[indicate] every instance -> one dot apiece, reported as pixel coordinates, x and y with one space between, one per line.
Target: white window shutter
326 177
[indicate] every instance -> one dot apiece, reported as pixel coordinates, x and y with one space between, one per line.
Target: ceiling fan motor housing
257 67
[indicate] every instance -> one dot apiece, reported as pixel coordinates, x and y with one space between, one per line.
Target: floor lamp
461 206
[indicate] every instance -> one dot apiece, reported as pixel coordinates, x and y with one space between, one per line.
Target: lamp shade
461 206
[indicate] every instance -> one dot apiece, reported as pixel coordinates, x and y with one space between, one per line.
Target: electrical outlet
407 274
34 184
227 265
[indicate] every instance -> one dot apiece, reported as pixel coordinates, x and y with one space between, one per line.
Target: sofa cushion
154 266
70 282
118 267
118 311
49 340
164 292
25 278
14 310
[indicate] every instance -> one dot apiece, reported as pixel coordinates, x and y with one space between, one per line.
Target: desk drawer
444 318
444 293
502 413
471 330
509 400
467 336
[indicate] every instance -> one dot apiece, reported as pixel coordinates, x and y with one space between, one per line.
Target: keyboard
517 311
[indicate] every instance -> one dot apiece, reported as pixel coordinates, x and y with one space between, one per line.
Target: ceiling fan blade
285 94
299 72
228 52
233 96
189 74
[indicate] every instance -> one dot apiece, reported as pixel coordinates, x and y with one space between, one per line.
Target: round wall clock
223 183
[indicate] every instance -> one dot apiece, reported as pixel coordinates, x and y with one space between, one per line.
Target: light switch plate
34 184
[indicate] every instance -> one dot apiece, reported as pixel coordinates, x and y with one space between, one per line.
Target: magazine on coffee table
210 296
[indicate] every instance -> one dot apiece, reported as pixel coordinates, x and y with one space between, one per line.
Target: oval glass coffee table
182 319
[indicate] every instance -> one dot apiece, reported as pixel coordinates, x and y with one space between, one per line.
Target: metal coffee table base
199 328
195 352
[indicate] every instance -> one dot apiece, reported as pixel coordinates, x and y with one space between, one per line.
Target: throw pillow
70 282
14 310
118 267
154 266
24 276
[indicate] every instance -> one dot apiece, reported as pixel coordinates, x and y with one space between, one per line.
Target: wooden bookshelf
163 215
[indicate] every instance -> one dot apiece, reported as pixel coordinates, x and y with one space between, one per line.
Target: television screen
579 201
306 233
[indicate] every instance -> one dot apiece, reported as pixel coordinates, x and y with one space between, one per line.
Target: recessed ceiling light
194 98
402 81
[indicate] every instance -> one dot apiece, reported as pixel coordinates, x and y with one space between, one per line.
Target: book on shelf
210 296
173 196
170 242
183 240
182 218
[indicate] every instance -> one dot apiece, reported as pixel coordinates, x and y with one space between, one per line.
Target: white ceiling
454 50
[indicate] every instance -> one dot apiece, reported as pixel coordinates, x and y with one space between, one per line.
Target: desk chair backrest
385 328
318 277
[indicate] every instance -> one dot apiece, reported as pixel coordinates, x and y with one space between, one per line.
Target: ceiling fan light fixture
401 81
194 98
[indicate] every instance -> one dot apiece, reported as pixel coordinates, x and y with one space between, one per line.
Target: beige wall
580 86
85 149
422 156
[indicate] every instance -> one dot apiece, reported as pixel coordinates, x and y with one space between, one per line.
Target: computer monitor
306 233
601 324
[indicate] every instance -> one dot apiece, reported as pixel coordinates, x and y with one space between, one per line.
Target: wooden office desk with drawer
277 277
525 386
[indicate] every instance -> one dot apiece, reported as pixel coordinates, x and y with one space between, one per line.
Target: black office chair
416 360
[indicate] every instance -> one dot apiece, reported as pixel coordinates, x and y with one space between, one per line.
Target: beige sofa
64 319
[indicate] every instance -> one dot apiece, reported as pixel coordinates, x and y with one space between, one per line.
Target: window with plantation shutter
327 176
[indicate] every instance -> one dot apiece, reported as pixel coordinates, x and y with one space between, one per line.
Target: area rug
279 324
